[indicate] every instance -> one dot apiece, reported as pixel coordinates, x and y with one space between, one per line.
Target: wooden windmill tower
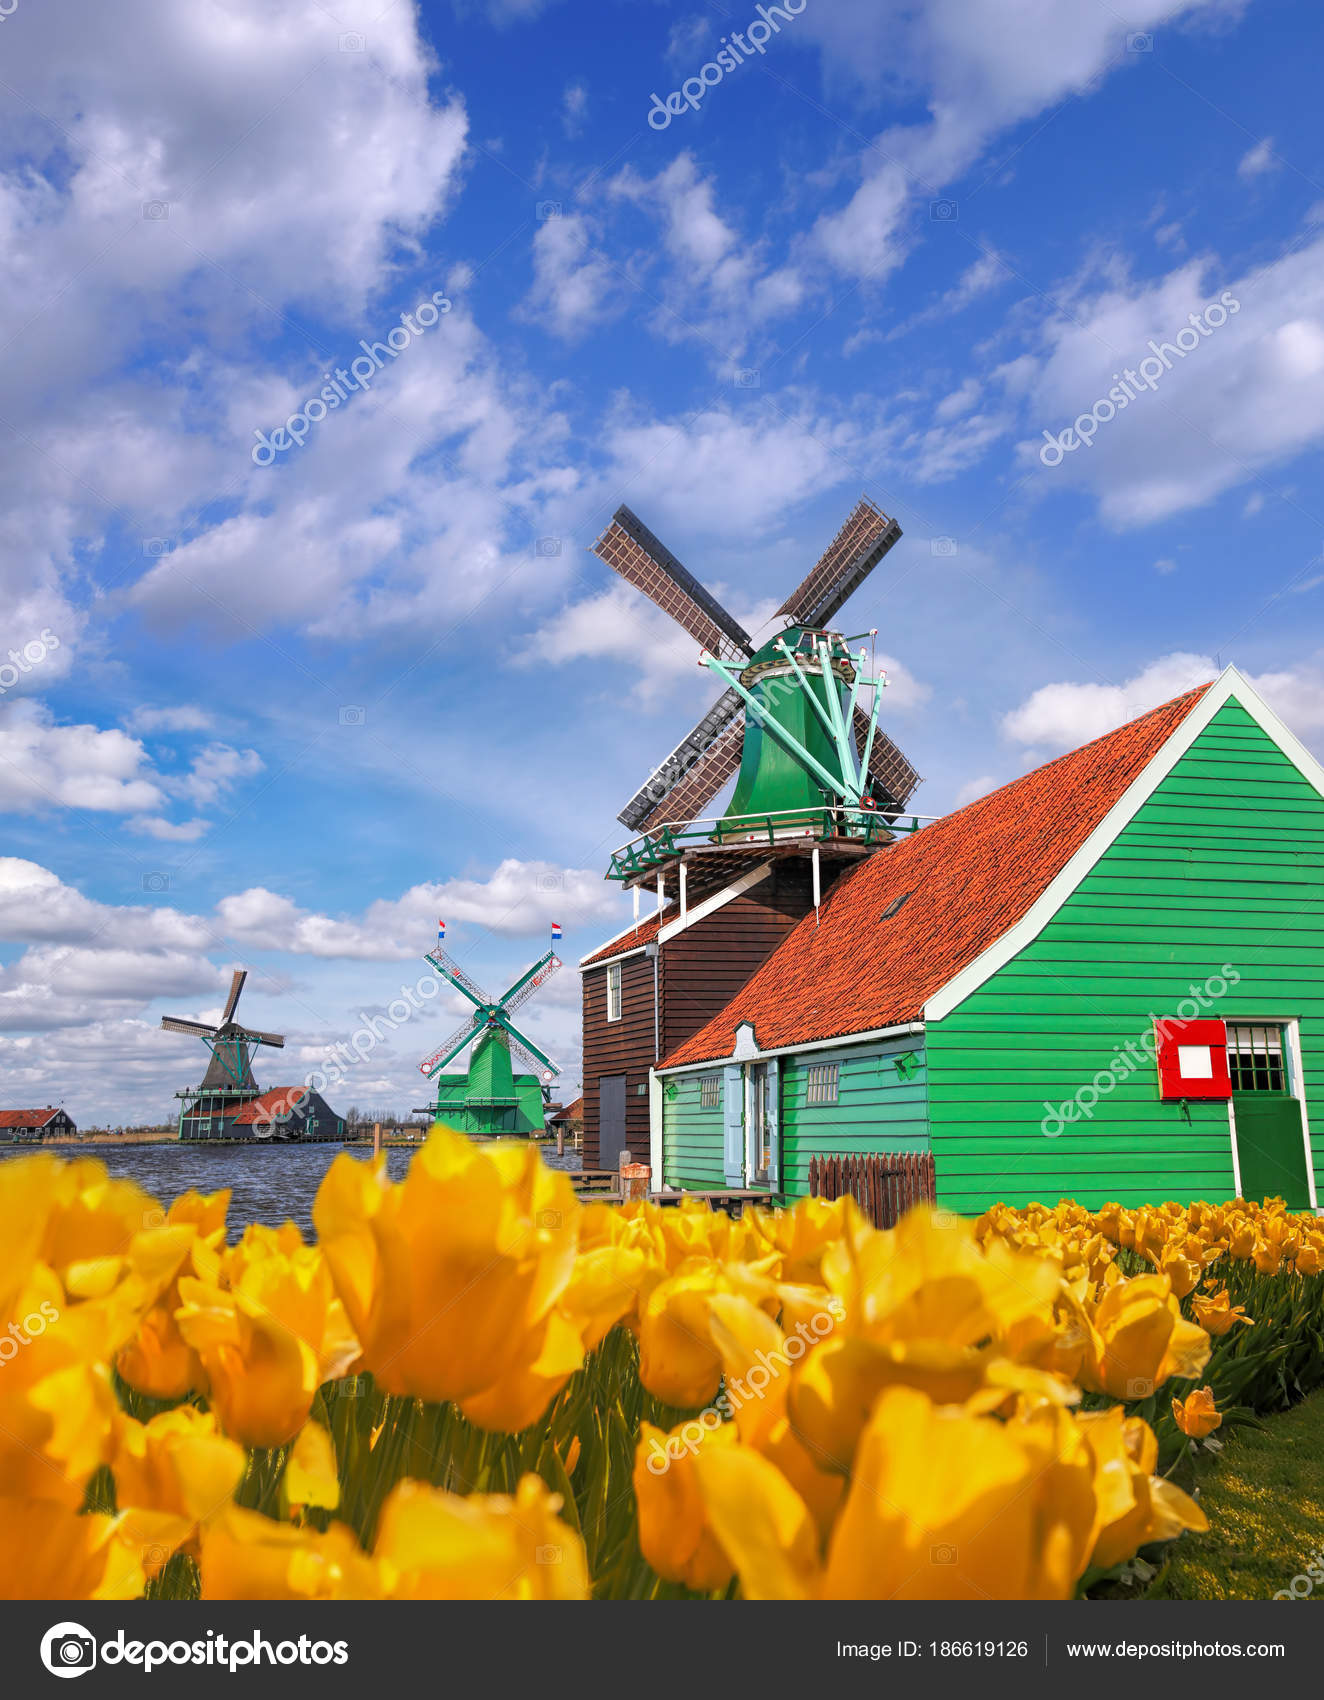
813 767
818 787
228 1083
505 1086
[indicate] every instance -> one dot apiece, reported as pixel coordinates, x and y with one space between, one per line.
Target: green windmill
810 761
503 1089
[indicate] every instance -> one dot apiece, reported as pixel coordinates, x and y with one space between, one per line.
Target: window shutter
733 1127
774 1124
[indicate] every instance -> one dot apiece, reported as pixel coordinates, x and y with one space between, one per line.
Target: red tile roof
965 880
26 1118
272 1104
633 937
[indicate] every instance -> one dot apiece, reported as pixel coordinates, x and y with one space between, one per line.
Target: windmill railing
884 1184
866 827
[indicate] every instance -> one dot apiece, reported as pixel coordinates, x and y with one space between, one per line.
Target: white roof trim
719 899
906 1030
1230 683
626 950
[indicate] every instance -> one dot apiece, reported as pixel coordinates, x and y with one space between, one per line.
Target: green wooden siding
691 1135
1224 864
878 1109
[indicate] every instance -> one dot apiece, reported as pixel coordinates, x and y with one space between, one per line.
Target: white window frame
614 991
710 1091
825 1075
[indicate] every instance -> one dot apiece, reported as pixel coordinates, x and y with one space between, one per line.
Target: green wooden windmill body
493 1097
774 777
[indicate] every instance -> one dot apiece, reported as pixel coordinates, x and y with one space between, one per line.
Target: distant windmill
231 1045
493 1097
789 718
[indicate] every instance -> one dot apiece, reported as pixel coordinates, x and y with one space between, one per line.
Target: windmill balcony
865 828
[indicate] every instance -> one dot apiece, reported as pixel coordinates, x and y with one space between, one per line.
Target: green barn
1000 988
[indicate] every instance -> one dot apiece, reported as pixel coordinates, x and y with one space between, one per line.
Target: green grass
1264 1498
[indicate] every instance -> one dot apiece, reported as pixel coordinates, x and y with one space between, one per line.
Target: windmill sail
693 764
236 986
630 548
843 567
454 1045
888 768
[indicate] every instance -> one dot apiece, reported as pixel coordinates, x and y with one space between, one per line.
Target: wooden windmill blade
194 1029
526 1054
276 1039
531 981
694 772
236 986
888 768
843 567
630 549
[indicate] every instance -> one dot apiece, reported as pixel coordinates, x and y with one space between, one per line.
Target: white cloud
959 401
184 717
574 105
43 766
1246 397
169 832
1260 159
974 789
1165 566
216 770
1062 716
572 284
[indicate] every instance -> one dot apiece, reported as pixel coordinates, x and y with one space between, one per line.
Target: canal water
268 1183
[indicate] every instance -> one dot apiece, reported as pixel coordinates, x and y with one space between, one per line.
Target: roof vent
893 906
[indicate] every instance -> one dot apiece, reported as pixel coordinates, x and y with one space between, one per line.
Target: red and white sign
1192 1059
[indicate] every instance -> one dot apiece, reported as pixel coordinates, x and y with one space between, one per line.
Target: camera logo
68 1650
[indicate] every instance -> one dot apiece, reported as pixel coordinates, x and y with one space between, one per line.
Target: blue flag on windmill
505 1088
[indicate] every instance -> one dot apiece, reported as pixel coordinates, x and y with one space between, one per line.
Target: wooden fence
884 1186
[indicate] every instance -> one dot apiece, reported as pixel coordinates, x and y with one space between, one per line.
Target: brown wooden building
656 984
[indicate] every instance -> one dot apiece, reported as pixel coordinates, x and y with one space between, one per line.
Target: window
1255 1058
823 1083
614 992
710 1091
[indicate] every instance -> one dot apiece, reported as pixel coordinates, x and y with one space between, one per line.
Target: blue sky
285 715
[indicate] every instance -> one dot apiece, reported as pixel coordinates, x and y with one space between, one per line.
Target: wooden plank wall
618 1047
1224 864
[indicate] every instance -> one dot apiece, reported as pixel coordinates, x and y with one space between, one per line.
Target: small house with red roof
1104 980
30 1127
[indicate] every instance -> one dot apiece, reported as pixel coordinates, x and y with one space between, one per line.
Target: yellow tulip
50 1552
1268 1256
674 1533
432 1545
1143 1339
1197 1415
310 1471
178 1463
1309 1259
454 1280
267 1342
1133 1505
246 1556
1216 1313
947 1505
158 1361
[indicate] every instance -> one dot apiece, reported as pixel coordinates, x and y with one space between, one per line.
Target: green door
1270 1142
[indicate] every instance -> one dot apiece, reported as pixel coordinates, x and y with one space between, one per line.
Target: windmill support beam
842 784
